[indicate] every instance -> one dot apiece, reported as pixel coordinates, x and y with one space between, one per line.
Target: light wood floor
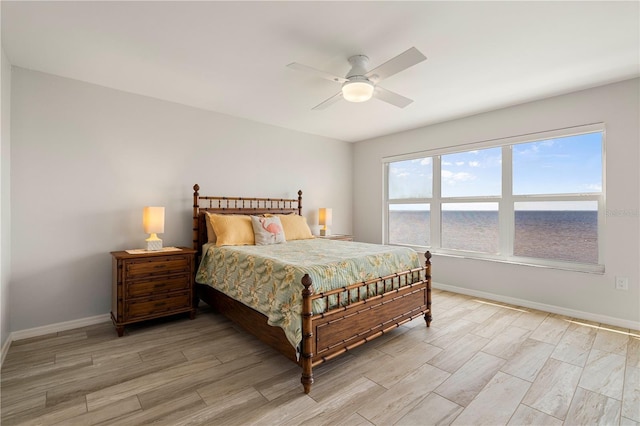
479 363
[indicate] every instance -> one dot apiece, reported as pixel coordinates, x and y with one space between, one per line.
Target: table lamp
324 219
153 222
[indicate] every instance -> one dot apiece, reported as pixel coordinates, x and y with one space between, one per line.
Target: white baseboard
603 319
51 328
60 326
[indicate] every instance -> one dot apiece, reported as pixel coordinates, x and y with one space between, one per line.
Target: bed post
196 208
427 265
196 246
307 334
300 202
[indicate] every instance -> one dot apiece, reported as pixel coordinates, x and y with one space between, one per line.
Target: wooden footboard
358 317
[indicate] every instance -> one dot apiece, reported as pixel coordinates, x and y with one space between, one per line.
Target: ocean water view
556 235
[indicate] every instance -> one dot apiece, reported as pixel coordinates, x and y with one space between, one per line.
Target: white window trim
506 201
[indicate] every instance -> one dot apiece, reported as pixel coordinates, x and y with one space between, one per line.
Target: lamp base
325 232
154 244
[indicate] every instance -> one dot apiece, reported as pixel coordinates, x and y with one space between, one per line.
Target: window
470 227
476 173
570 165
468 179
410 179
535 199
557 230
410 224
564 177
409 221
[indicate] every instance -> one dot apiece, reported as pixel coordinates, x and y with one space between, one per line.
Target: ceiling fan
359 85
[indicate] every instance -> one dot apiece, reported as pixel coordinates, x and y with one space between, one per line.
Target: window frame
506 201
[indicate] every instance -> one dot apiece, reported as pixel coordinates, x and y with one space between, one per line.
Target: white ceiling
231 57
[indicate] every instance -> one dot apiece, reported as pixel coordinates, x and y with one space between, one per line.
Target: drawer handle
159 285
160 266
159 304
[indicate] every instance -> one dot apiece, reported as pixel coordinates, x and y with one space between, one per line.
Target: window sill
519 261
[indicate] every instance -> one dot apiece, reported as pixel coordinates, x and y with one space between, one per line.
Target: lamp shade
357 91
153 220
325 216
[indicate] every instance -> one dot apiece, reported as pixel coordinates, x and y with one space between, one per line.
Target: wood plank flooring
481 362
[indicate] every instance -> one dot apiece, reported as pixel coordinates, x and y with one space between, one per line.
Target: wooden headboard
235 205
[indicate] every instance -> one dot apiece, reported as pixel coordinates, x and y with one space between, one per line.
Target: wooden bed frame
401 297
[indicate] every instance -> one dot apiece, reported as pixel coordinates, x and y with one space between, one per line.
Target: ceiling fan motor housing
359 65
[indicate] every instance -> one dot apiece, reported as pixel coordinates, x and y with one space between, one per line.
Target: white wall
617 105
5 199
86 159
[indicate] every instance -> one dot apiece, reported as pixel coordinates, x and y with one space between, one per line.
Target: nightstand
151 285
340 237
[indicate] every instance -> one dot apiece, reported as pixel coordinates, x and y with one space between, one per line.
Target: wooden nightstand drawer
153 307
136 268
150 287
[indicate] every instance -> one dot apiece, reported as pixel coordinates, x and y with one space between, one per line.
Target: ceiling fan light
357 91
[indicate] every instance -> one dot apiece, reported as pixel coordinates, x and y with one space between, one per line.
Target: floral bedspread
268 278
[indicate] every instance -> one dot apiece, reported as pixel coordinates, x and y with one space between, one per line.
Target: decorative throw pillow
232 230
295 227
267 230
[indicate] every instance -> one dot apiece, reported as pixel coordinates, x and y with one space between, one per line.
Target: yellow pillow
232 230
295 227
211 234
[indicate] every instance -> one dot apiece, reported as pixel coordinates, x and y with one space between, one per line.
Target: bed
332 306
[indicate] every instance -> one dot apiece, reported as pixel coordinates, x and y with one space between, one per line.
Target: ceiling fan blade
393 66
332 100
391 97
321 74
